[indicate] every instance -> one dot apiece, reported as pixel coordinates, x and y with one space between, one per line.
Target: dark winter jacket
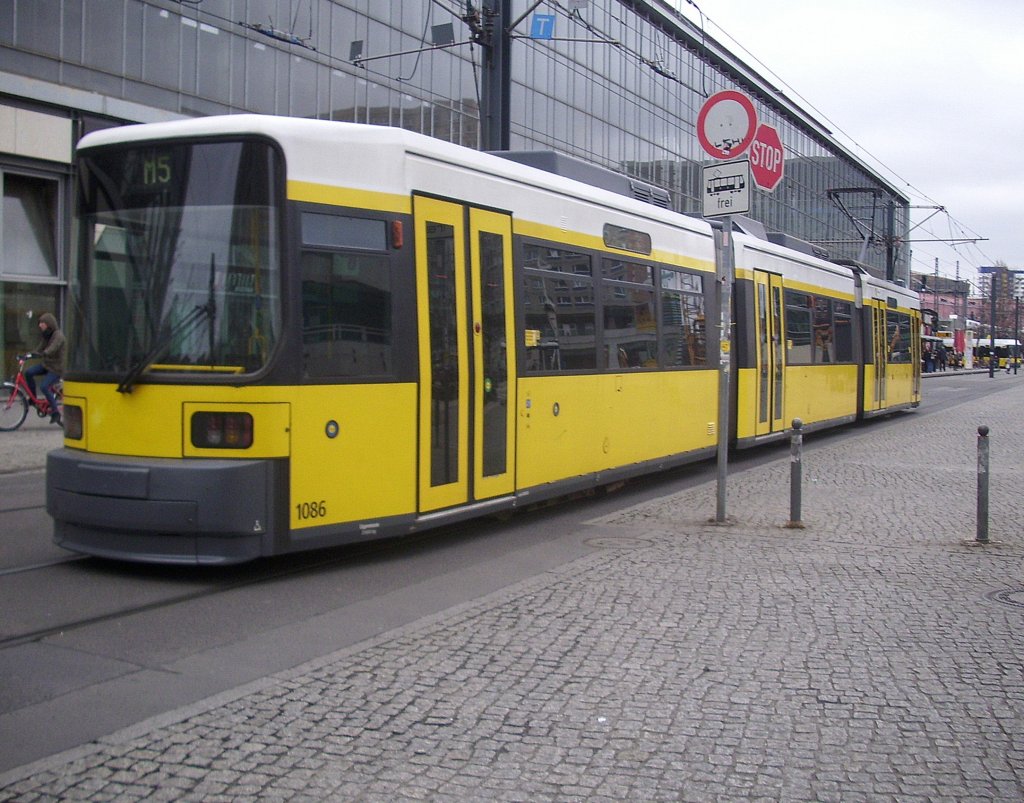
51 347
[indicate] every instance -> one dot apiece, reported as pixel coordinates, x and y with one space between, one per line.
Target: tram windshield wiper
200 313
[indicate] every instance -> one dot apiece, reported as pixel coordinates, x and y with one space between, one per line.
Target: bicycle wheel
14 406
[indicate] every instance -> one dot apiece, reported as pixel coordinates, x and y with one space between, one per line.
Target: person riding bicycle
51 349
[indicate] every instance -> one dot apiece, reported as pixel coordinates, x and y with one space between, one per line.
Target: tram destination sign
725 187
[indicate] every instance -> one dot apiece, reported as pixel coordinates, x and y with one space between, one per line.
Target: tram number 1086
311 510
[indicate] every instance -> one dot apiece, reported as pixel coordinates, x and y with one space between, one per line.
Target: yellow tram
288 334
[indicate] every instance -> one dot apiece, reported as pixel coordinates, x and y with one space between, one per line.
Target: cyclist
51 349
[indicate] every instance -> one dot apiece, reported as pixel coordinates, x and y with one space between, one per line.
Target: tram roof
297 136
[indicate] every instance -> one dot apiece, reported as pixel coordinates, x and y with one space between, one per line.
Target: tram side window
824 344
683 326
819 329
347 326
798 328
558 302
627 303
898 335
842 318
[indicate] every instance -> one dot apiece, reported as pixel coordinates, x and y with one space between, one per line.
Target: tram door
464 298
879 350
770 355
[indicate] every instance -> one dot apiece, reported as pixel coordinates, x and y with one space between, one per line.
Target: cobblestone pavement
873 655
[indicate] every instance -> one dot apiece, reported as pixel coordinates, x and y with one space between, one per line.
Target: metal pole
725 274
983 453
495 90
1016 333
992 330
890 241
796 448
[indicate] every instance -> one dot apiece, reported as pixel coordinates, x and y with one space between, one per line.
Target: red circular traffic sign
726 124
767 158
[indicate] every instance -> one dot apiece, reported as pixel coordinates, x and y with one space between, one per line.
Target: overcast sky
929 92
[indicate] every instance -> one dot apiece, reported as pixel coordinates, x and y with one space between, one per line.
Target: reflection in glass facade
620 84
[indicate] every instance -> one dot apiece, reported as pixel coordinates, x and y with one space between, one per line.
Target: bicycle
16 398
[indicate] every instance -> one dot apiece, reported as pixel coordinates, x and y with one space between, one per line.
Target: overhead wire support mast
866 231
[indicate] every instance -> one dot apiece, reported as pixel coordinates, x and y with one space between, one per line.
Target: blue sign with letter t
542 26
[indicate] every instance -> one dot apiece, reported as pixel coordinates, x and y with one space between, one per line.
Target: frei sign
727 128
726 188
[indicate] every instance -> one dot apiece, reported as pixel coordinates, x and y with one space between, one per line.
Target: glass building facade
615 82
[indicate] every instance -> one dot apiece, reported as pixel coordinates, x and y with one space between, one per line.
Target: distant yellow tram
287 334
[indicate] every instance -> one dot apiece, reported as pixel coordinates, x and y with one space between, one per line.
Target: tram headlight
215 430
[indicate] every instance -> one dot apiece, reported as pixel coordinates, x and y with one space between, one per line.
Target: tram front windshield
178 269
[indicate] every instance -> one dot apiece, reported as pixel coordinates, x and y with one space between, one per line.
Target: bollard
983 450
796 448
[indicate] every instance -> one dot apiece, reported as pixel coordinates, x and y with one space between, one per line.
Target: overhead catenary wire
970 252
958 243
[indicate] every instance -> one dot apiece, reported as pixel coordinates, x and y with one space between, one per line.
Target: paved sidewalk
25 449
874 655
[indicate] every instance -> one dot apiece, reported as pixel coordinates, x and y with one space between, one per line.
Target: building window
21 304
29 226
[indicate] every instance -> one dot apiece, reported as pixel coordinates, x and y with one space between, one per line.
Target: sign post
724 275
726 127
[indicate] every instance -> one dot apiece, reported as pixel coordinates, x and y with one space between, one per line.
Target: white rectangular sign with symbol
726 188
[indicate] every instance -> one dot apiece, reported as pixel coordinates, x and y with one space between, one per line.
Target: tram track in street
248 575
45 565
227 579
214 581
22 509
167 602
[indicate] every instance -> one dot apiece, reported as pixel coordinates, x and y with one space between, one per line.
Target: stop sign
766 158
